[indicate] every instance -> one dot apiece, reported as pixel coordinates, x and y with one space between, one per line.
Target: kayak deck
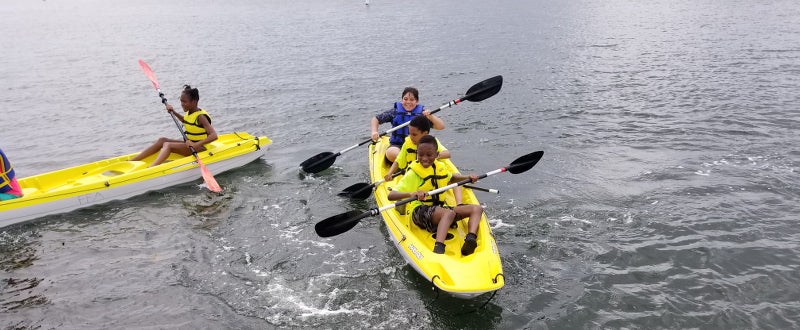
462 276
118 178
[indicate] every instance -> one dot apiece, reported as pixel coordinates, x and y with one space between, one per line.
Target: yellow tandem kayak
117 178
462 276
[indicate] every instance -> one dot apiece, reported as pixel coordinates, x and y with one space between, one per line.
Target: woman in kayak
198 127
425 174
9 187
401 113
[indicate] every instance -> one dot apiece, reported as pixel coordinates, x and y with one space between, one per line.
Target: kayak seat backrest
213 145
30 185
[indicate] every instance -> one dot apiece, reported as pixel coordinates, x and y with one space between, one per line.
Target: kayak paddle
478 92
362 190
207 177
341 223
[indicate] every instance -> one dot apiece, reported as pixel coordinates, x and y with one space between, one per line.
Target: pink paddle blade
149 73
208 178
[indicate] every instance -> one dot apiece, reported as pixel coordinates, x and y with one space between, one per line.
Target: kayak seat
212 146
29 191
118 168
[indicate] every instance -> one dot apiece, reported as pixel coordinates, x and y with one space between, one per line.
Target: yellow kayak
462 276
117 178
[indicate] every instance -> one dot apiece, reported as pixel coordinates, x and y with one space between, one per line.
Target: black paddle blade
318 163
524 163
338 224
484 89
359 190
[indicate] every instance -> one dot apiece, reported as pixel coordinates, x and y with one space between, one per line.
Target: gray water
667 197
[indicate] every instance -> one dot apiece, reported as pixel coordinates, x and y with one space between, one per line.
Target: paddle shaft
493 191
177 123
377 211
444 106
341 223
478 92
452 103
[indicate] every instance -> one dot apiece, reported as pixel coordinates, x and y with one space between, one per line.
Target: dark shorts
423 217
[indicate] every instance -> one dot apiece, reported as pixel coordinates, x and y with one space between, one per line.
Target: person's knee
450 214
161 141
392 152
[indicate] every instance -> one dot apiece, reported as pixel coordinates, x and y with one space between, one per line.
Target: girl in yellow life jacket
197 124
425 174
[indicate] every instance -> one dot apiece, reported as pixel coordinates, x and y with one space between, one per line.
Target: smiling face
409 101
426 154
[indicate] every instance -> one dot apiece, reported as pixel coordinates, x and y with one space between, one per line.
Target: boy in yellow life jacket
417 128
197 124
424 174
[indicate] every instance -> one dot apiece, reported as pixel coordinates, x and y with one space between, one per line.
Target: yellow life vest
433 177
195 132
411 152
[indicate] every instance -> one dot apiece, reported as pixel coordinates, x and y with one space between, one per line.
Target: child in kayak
425 174
9 187
417 128
198 127
400 114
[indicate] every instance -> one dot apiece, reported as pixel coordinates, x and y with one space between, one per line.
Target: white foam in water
290 232
294 303
260 273
322 244
572 218
498 223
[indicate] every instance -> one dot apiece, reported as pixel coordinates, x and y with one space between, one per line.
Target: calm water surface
667 198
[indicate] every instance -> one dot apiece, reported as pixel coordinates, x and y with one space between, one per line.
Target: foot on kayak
469 244
438 248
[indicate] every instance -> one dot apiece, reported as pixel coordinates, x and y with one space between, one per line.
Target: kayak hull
463 277
117 178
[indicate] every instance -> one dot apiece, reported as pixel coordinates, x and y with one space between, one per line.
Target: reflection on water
17 253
